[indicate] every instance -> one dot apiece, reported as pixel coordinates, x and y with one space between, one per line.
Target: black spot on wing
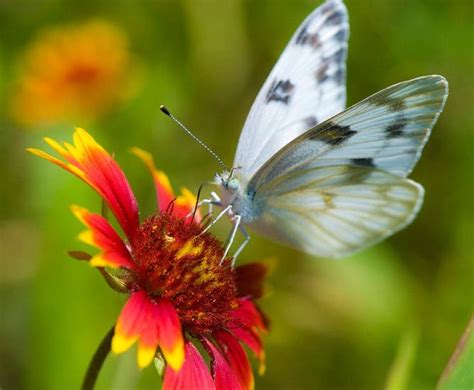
333 134
305 38
363 162
394 104
311 121
251 194
322 73
280 91
339 76
339 55
341 35
335 18
331 18
396 129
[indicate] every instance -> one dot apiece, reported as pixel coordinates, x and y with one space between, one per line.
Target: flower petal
237 358
249 279
164 192
58 148
91 163
170 333
103 236
148 339
183 204
252 340
68 167
137 321
248 315
247 322
194 374
224 376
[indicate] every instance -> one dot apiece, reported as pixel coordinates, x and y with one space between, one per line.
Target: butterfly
313 175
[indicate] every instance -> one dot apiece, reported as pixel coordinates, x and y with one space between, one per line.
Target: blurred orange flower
74 72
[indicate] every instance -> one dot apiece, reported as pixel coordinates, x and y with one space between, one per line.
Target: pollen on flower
175 260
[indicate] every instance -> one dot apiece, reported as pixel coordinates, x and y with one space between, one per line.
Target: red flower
181 292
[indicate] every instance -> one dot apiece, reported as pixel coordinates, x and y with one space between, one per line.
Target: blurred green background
391 314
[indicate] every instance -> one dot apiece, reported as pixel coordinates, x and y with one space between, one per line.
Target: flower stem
97 361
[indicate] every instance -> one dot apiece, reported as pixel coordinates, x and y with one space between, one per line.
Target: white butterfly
331 186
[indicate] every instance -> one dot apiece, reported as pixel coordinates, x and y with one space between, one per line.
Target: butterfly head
230 186
228 180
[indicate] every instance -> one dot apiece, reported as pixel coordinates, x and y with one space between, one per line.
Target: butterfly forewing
334 211
386 131
305 87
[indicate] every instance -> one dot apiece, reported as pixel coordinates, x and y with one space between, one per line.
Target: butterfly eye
233 184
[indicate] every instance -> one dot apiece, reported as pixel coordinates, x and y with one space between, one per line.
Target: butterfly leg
236 221
214 201
242 245
210 202
203 202
219 216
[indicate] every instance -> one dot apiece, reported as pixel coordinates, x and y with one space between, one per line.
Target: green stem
402 366
97 361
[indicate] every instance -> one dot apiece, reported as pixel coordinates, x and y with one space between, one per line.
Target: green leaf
402 366
459 373
160 364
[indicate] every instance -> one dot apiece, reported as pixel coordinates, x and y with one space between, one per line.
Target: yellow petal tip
121 344
145 356
175 357
87 237
99 261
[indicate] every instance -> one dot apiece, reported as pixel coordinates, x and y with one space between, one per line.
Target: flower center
82 74
174 260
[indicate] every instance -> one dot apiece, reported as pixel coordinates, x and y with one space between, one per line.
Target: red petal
137 321
248 315
149 338
185 204
194 374
170 333
181 205
103 236
237 358
91 163
164 192
249 279
224 376
252 340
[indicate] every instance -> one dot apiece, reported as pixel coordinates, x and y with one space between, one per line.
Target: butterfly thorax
234 193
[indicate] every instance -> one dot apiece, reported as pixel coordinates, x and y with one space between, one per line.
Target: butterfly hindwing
386 131
335 210
305 87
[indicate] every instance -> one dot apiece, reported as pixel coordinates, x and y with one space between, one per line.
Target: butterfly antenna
212 153
196 206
